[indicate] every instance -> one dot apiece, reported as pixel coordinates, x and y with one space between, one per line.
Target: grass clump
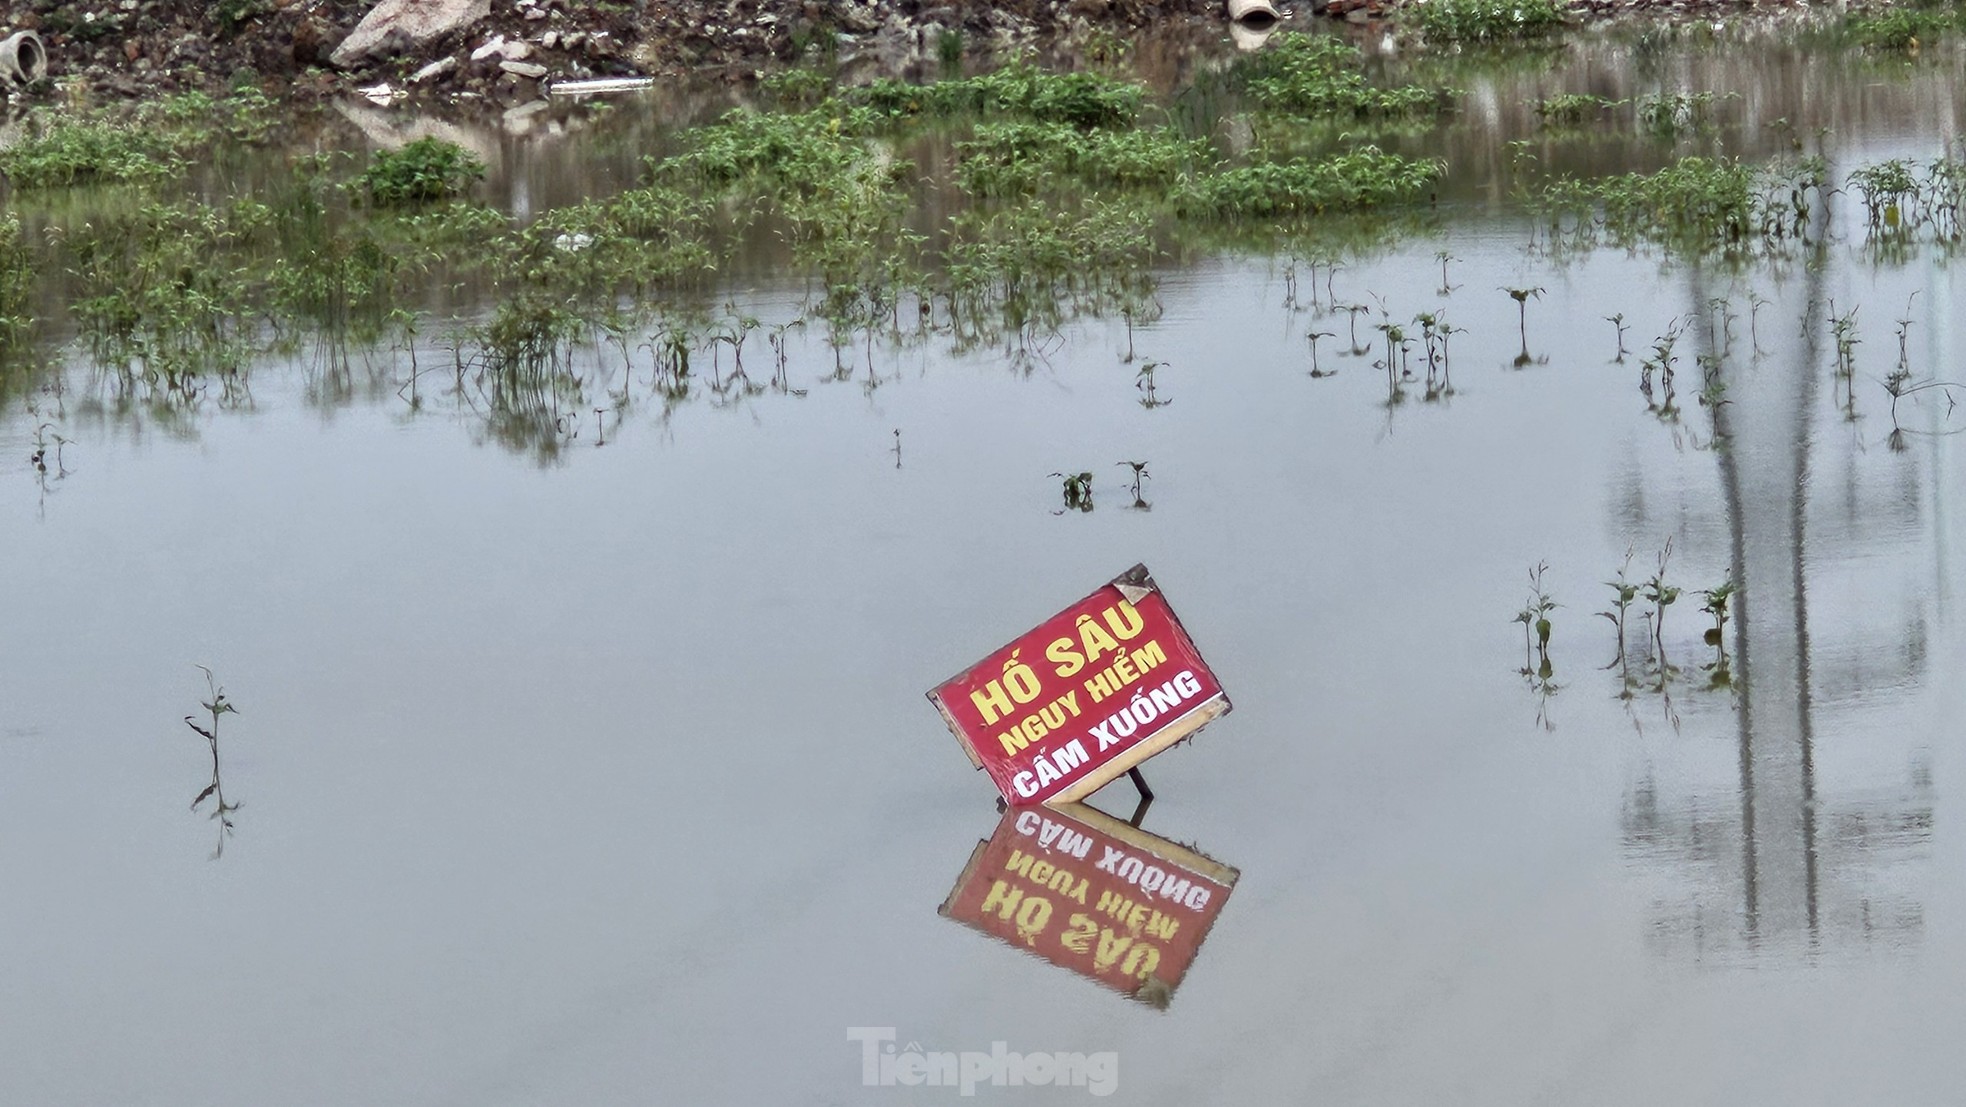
645 237
60 153
1903 28
1083 100
424 170
1670 115
1019 158
1571 108
1484 20
1365 177
1695 205
147 144
164 291
1308 75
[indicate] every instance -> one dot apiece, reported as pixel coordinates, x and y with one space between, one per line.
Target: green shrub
1902 28
1084 100
1318 75
427 169
1366 177
1016 158
1569 108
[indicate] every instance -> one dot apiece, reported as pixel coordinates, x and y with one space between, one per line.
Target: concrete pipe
1257 13
23 59
1250 36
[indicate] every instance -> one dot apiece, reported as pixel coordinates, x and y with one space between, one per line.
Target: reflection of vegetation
16 289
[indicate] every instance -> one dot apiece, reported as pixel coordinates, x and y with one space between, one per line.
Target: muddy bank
505 49
130 48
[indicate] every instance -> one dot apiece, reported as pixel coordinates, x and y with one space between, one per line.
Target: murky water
609 779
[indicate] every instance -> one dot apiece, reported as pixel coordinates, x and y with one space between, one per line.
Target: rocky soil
133 48
128 48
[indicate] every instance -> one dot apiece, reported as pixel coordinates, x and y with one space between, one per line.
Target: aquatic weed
1306 75
216 707
1623 593
1077 490
1483 20
1535 619
423 170
1360 178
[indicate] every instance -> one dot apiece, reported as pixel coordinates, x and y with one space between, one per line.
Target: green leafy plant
1077 491
1570 108
1522 296
1717 599
1139 470
1623 593
424 170
1904 27
215 708
1661 596
1484 20
1535 619
1318 75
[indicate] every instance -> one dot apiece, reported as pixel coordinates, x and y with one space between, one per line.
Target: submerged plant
1661 596
1717 599
1618 320
1319 75
1521 297
1902 28
215 707
1312 337
1570 108
1623 593
424 170
1140 473
1535 619
1077 491
1669 114
1444 257
1143 380
1484 20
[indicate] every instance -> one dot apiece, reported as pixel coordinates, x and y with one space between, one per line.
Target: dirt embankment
132 48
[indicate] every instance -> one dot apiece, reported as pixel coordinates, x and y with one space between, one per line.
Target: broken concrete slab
395 25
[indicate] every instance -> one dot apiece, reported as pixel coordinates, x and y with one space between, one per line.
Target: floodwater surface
599 771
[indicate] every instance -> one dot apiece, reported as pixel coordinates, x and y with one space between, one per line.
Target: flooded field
573 559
